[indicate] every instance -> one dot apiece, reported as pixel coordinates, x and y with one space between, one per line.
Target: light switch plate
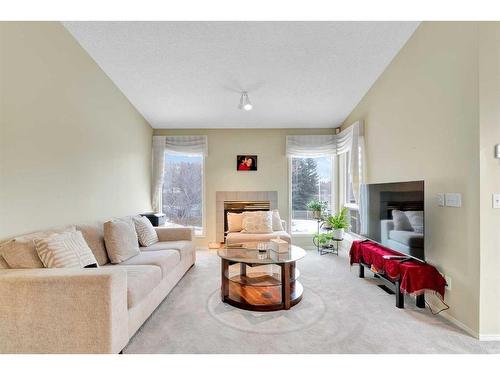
496 200
453 199
440 199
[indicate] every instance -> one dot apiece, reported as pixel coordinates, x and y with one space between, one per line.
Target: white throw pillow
401 221
65 250
416 219
258 222
234 222
121 240
277 221
145 231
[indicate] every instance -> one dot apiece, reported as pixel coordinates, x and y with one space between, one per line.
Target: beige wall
72 147
489 94
421 122
220 165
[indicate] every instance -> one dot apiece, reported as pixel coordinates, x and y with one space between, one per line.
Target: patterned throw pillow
234 222
20 252
257 222
65 250
145 231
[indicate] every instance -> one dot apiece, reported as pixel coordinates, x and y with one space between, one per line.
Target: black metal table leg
421 301
400 298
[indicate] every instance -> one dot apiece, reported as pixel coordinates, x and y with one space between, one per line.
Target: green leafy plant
316 205
340 220
322 239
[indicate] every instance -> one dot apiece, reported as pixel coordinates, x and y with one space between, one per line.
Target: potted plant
339 223
322 240
317 208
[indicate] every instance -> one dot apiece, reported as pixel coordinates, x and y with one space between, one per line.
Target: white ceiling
190 74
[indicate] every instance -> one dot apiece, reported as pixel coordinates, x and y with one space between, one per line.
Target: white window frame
334 197
203 195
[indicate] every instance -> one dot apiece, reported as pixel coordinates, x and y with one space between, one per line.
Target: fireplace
240 201
242 206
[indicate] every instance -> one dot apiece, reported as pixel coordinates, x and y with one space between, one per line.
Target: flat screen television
392 214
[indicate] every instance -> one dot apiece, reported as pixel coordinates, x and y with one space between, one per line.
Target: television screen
392 214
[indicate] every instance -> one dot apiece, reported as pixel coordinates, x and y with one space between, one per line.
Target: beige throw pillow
145 231
234 222
93 234
277 221
20 252
121 240
258 222
65 250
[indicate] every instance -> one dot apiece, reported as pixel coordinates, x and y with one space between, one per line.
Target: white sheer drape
311 145
157 174
172 144
187 144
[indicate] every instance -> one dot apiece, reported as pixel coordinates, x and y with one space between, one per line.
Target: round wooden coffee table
260 290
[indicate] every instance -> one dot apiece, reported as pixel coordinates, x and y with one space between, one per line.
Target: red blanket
415 277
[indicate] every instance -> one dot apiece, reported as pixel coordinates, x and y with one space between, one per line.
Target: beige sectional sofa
90 310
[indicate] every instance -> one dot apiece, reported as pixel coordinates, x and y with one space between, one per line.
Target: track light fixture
245 102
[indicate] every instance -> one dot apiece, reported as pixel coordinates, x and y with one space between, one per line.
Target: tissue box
278 245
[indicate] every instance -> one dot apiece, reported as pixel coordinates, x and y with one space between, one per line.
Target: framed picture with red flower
246 162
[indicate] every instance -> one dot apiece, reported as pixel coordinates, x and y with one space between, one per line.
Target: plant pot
317 214
338 234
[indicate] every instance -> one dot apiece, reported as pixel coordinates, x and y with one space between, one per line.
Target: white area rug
339 313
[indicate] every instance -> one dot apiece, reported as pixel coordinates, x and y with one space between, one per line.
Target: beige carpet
339 313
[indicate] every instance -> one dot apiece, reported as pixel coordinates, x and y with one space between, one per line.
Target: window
182 195
311 179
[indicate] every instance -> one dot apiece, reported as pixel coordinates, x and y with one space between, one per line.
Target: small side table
333 250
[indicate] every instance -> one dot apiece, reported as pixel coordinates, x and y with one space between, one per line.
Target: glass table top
259 253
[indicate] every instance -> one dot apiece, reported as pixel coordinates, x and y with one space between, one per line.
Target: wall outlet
448 282
496 200
440 199
453 199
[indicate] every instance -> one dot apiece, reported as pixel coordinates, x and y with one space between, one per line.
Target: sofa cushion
20 252
145 231
252 237
141 280
93 233
257 222
120 239
165 259
234 222
408 238
65 250
401 221
185 248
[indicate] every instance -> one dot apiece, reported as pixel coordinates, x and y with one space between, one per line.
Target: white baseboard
456 322
489 337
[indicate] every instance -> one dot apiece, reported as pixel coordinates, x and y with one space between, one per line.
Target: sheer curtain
172 144
157 174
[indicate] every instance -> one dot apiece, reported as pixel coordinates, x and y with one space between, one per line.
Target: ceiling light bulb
245 102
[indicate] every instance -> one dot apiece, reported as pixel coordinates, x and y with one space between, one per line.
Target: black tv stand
392 285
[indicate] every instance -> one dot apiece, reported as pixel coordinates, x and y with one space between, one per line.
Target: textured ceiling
190 74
